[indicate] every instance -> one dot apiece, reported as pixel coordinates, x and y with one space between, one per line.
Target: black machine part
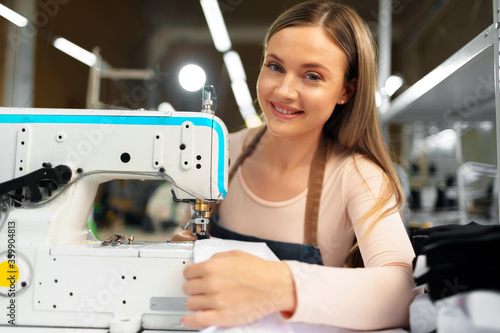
47 177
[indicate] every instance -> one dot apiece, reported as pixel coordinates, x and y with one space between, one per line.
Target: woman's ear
350 89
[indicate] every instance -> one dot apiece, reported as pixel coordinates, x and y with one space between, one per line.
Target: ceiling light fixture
192 77
75 51
216 25
13 17
232 61
234 66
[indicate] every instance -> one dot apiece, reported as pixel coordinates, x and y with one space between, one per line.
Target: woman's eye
313 77
274 67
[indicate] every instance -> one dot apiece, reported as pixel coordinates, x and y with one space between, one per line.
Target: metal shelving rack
463 88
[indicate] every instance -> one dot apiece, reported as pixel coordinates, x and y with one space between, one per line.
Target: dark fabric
284 251
459 258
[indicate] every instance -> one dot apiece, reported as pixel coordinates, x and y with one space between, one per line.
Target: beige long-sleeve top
375 297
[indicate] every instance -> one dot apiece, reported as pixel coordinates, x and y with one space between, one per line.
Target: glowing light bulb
192 77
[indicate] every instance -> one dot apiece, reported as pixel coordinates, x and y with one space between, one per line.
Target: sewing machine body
64 277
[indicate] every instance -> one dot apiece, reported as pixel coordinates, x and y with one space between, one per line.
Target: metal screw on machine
209 99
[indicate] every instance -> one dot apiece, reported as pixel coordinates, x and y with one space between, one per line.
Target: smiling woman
304 85
311 182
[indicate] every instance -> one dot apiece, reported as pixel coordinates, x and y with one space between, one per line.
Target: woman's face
301 81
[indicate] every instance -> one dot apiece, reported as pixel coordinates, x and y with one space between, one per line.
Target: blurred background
445 151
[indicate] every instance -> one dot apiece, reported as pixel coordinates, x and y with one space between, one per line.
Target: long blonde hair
355 124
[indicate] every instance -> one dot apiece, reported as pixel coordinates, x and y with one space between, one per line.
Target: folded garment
204 249
458 258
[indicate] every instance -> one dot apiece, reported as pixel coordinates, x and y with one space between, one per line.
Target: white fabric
204 249
274 323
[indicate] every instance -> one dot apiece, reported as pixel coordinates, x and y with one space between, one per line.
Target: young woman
316 179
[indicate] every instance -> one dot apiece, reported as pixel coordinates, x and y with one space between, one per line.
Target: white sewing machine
52 161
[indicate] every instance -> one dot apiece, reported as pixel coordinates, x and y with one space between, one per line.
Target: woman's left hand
234 288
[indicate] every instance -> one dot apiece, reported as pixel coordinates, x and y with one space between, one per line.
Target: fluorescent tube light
234 66
242 94
13 17
240 89
75 51
245 103
216 25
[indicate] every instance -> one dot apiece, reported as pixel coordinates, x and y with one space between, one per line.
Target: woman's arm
377 296
358 298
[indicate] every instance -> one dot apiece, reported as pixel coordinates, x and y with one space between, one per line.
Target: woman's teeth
285 111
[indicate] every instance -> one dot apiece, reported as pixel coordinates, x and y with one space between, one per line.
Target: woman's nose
287 88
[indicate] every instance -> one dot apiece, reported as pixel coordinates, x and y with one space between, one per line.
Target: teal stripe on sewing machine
127 120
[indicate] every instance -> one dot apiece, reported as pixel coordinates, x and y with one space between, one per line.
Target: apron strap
315 186
247 149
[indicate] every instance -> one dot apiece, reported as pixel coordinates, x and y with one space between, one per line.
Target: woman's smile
285 112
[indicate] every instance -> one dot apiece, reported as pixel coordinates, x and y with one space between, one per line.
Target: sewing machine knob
131 239
209 99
